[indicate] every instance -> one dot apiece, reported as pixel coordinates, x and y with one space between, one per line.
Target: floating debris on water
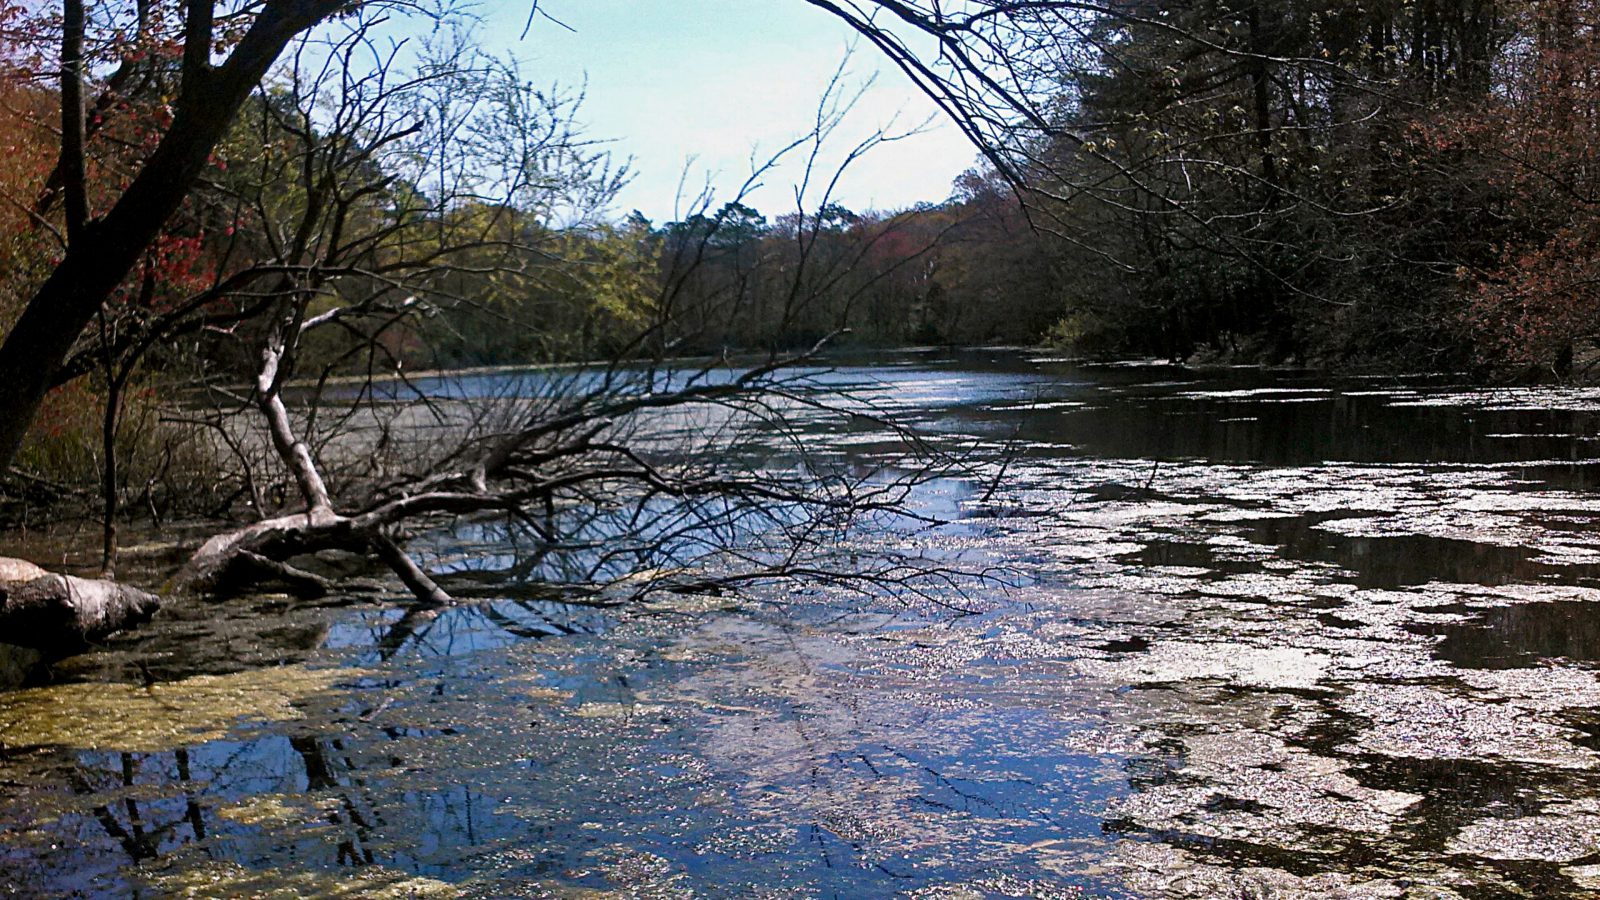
159 716
1243 646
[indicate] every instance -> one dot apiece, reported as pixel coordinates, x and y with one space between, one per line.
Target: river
1261 634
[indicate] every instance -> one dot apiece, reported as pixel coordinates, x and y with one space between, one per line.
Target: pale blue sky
715 78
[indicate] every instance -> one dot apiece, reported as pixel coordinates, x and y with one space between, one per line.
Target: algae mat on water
157 717
222 879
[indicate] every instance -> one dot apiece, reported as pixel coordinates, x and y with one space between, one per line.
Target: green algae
161 716
278 810
616 710
222 879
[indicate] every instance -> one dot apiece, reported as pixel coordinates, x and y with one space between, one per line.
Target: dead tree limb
52 612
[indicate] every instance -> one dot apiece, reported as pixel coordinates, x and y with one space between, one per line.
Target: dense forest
1401 185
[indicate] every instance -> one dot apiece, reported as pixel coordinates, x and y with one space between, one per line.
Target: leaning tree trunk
261 552
101 253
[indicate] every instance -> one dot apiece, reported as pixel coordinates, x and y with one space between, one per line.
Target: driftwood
44 610
260 553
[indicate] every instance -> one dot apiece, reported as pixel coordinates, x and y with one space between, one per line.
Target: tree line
1401 182
1399 185
220 298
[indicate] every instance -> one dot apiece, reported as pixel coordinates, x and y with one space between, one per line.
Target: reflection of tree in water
323 771
146 805
320 757
514 556
452 631
1522 635
150 808
133 838
147 829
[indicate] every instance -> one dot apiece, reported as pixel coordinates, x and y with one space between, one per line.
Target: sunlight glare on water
1268 634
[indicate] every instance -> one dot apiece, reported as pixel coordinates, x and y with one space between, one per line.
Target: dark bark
1260 90
109 247
72 153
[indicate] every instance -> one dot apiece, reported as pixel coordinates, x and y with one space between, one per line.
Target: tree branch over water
642 464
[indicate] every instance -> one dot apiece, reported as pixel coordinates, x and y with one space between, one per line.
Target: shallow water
1269 635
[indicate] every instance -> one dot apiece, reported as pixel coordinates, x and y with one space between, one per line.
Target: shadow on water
1390 561
1402 559
1285 419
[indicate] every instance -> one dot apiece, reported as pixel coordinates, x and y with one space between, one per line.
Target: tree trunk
109 247
61 613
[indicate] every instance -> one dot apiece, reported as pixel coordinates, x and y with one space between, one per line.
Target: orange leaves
1534 311
1532 146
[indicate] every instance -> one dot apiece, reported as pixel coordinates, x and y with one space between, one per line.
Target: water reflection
1399 559
1524 635
1274 635
380 635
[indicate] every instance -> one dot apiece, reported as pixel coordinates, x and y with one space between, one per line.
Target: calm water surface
1269 635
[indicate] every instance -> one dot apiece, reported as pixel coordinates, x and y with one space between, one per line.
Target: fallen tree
638 464
60 613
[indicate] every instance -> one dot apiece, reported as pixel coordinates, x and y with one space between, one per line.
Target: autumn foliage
1404 184
1536 144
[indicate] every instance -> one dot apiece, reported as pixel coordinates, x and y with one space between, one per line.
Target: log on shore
45 610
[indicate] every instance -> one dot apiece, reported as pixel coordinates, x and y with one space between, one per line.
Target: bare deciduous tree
643 471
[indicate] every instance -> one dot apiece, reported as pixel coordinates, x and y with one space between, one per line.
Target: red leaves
1535 143
173 269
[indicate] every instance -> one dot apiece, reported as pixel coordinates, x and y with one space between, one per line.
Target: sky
712 83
